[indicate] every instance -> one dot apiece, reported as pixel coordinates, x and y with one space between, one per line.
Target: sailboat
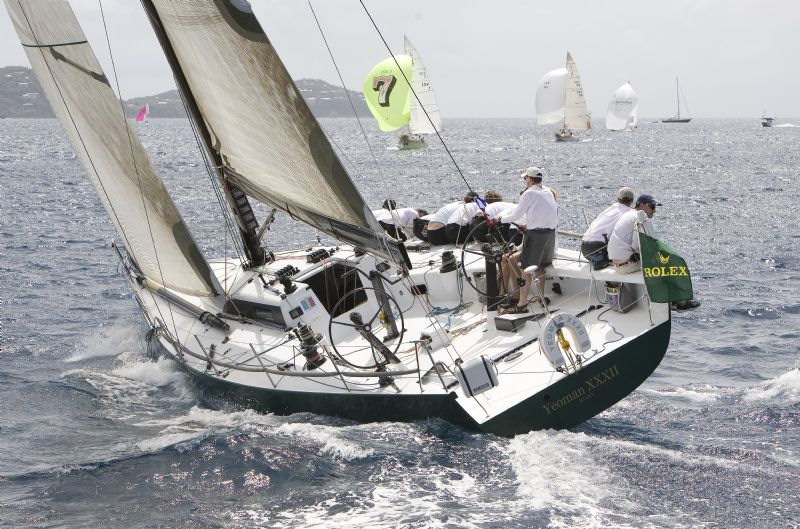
623 109
368 329
386 91
143 114
677 117
559 98
766 121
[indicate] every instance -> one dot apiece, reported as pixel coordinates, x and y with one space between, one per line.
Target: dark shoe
516 309
688 304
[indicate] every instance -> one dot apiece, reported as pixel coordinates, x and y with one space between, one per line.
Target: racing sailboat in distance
560 98
677 117
394 105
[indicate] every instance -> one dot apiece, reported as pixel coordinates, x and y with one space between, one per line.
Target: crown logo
663 258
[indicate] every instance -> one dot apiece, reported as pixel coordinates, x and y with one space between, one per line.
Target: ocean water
96 433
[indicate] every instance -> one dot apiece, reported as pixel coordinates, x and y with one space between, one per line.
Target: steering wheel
372 331
494 237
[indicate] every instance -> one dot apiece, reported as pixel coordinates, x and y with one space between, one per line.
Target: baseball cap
532 171
625 193
647 199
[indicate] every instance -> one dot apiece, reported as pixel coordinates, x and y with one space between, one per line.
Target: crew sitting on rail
397 222
594 244
437 222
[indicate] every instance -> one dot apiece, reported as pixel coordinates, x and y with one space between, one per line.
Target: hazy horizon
486 62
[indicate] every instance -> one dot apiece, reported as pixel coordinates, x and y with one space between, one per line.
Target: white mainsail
269 143
576 113
550 97
623 109
118 167
419 122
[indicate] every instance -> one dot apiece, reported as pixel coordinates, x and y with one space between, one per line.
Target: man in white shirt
437 221
623 245
397 222
537 209
595 239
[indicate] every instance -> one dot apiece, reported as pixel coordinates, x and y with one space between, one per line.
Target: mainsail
576 113
623 109
419 122
387 92
550 97
118 166
258 125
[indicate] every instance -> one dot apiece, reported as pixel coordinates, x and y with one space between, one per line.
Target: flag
666 275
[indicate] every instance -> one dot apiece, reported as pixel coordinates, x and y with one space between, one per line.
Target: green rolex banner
666 275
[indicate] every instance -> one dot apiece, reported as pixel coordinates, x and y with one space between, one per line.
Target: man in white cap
594 245
538 211
623 245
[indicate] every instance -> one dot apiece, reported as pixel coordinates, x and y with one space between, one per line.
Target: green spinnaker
388 94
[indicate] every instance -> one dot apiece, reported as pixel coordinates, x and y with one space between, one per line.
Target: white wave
186 431
784 389
784 125
560 471
159 373
330 439
705 394
107 341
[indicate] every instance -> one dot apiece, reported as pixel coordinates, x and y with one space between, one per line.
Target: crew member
538 210
594 245
437 221
623 245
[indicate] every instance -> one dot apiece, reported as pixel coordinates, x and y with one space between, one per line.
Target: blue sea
94 432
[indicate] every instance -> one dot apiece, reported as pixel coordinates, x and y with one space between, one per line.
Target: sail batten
257 122
118 167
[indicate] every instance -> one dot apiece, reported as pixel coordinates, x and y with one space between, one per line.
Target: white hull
229 358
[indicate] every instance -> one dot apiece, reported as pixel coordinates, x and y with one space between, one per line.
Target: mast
678 97
236 197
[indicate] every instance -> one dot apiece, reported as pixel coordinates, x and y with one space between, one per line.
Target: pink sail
142 115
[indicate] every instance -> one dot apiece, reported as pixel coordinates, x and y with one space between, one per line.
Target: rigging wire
346 92
416 96
360 125
136 168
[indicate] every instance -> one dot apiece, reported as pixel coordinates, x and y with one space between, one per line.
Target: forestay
420 123
623 108
269 143
119 169
576 113
550 97
387 92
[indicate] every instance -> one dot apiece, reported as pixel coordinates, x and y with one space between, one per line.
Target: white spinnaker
623 108
118 167
419 122
550 97
576 113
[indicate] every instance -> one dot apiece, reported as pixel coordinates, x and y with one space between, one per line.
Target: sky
485 59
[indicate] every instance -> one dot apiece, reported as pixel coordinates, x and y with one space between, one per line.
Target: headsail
387 93
623 109
260 128
118 166
550 97
419 123
576 113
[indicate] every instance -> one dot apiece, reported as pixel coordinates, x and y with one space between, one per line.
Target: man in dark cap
623 245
